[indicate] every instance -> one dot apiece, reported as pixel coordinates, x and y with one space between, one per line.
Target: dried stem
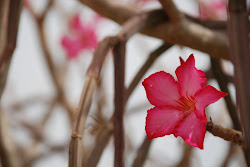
119 63
239 48
231 135
223 83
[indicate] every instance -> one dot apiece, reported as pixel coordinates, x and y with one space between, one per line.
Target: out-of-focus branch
9 155
231 135
81 114
209 75
171 10
186 32
9 22
142 153
238 24
129 28
99 147
230 152
40 20
223 83
212 24
151 59
119 66
186 158
104 134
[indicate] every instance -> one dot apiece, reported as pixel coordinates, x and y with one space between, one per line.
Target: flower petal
205 97
161 89
75 23
162 121
192 130
190 79
72 46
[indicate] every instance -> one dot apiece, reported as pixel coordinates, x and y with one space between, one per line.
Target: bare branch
171 10
130 27
239 49
119 63
40 19
231 135
142 153
223 83
187 33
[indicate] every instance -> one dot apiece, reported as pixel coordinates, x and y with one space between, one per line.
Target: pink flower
215 9
145 1
81 37
179 106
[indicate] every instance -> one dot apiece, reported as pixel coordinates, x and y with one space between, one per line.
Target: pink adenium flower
81 37
213 9
179 106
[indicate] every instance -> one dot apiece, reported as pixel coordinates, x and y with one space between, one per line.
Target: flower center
186 104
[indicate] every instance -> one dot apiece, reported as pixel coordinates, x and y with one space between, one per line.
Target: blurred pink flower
214 9
26 3
145 1
179 106
81 37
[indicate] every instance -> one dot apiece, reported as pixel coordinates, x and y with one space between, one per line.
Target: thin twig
142 153
130 27
223 83
40 20
96 153
187 154
212 24
210 75
90 84
151 59
102 138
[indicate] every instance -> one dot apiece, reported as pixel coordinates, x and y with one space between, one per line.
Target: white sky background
29 77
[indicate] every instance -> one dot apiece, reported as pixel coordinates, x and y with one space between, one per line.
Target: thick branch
119 66
171 10
239 49
186 33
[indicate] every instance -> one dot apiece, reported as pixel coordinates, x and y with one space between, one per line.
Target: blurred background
38 122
